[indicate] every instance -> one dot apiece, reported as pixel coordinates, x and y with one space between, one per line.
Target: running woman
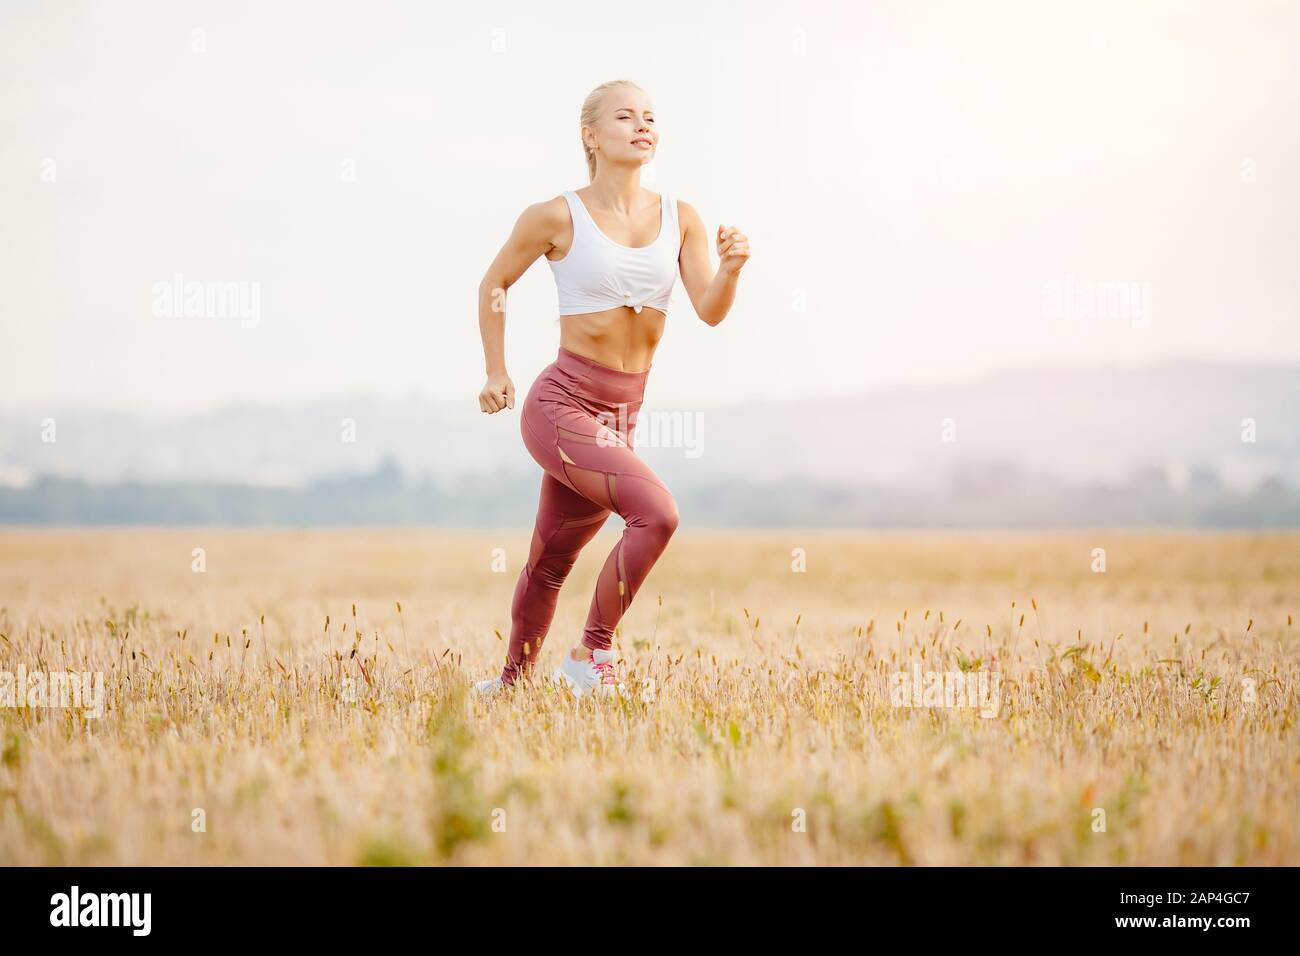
615 249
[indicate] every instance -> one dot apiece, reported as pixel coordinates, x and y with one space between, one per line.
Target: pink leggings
578 420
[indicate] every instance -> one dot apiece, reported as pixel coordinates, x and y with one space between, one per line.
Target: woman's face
625 131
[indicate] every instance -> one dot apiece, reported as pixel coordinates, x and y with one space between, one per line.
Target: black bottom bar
338 906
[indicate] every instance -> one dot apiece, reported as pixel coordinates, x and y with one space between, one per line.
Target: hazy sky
931 190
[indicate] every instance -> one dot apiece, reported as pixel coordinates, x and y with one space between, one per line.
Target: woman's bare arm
531 237
711 293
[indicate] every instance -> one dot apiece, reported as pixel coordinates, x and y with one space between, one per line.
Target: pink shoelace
606 671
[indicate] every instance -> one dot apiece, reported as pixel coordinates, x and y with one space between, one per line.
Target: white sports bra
599 273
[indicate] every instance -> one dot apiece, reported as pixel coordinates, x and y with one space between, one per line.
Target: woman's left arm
711 293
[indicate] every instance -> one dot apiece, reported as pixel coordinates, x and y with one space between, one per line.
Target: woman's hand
498 393
733 249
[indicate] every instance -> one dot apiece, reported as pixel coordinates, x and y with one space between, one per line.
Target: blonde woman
615 249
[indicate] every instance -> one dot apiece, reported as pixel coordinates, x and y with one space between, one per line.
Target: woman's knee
552 568
661 520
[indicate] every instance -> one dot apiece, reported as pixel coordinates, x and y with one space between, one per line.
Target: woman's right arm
532 236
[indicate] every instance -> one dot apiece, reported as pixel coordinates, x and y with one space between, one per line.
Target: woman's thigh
589 453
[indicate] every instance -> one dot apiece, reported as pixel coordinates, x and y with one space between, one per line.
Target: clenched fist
498 393
733 249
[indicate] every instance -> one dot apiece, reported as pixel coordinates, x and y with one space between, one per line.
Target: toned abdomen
620 337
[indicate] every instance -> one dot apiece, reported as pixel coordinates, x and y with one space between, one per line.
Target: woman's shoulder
687 215
546 213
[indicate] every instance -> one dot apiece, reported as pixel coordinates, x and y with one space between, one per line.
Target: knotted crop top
599 273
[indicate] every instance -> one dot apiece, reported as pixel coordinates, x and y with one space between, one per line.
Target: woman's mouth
643 143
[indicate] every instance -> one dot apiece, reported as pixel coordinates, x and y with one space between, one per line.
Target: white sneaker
592 676
486 688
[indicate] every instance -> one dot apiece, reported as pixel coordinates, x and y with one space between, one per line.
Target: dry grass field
1147 713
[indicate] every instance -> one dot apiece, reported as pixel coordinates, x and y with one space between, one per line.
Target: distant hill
1181 443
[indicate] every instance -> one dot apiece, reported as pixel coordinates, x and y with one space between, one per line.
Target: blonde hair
591 112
